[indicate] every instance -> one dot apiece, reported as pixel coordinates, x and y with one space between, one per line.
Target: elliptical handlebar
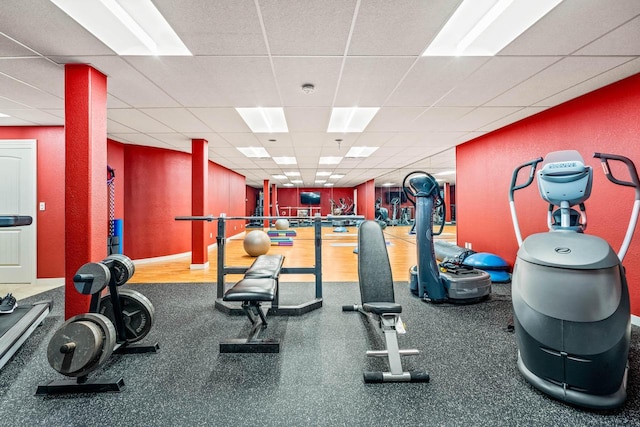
635 183
514 177
533 164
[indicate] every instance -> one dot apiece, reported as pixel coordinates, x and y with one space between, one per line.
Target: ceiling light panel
133 28
278 177
345 120
485 27
264 120
321 173
337 176
257 152
285 160
360 151
329 160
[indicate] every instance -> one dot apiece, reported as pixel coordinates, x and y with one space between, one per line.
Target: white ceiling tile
563 74
137 120
178 119
36 117
305 26
572 25
368 82
482 86
37 72
215 27
621 41
307 119
398 28
291 73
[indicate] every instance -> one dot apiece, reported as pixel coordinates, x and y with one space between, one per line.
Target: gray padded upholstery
374 270
252 289
265 266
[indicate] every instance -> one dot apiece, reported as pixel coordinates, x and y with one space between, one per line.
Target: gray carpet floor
316 379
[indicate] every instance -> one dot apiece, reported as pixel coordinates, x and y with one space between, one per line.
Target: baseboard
50 281
635 320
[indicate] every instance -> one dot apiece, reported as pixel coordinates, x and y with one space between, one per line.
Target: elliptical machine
569 291
444 282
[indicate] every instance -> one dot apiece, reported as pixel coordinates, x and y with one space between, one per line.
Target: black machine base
137 348
282 310
74 386
241 345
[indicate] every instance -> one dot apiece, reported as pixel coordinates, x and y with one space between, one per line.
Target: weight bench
378 303
260 284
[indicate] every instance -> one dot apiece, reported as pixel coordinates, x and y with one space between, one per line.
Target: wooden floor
339 263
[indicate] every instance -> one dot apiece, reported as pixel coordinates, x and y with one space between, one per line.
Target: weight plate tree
137 312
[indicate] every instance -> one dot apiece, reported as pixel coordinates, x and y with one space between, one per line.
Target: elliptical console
569 291
438 284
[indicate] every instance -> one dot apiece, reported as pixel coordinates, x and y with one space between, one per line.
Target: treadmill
16 327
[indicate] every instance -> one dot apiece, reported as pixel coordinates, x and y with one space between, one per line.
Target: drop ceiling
365 53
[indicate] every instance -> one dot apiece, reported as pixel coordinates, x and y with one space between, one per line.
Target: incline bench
260 284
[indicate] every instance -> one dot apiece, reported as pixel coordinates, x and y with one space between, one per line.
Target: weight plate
109 334
137 312
122 268
91 278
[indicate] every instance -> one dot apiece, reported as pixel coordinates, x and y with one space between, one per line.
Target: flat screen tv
309 198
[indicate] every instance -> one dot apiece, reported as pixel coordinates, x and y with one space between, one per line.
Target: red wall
115 154
366 199
291 197
50 189
158 188
606 120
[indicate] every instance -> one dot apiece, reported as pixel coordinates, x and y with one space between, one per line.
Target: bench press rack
276 309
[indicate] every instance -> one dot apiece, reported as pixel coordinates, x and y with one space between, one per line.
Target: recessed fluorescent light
388 184
328 184
323 173
292 173
264 120
279 177
360 151
4 115
446 173
127 27
285 160
485 27
329 160
350 119
254 151
287 184
320 181
336 176
297 181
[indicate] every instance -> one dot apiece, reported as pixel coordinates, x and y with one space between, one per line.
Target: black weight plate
122 268
137 312
88 340
109 334
94 338
91 278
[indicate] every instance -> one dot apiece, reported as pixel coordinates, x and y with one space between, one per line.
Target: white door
18 197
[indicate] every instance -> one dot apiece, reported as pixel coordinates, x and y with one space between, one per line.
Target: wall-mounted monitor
309 198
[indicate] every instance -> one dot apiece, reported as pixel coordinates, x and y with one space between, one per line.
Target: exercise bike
569 291
446 282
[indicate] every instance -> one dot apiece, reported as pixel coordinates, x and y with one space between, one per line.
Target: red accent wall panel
50 183
367 199
605 120
199 199
157 189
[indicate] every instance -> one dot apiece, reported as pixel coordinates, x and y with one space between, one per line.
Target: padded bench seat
252 289
265 266
382 307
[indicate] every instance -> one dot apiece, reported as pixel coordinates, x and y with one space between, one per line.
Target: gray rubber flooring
316 379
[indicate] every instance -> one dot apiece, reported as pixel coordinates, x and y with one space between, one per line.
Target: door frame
32 145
